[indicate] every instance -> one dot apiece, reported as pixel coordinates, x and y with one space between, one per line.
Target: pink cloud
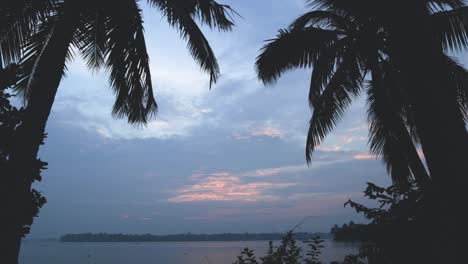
223 186
266 131
364 156
124 216
146 219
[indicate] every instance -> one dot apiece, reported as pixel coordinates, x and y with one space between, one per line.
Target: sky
229 159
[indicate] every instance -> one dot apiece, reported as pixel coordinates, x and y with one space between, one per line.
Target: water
54 252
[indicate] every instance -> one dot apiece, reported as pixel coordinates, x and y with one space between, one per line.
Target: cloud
311 204
358 128
330 148
351 139
267 172
266 131
277 170
251 130
251 186
365 156
322 157
296 206
223 186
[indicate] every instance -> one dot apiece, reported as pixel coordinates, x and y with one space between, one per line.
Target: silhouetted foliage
397 232
18 19
10 119
247 256
315 250
349 232
288 252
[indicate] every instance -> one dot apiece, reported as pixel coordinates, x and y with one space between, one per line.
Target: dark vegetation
395 233
348 232
288 252
10 120
103 237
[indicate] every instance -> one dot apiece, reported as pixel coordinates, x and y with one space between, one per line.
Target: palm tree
109 34
416 93
17 22
332 44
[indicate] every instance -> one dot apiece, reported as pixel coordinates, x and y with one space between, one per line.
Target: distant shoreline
104 237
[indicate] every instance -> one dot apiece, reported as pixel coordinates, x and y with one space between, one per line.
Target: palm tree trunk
444 142
443 137
43 85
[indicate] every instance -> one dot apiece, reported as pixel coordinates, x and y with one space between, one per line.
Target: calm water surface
53 252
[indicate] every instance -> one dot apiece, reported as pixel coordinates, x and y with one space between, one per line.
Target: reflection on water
52 252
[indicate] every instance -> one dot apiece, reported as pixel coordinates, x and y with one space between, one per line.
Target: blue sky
230 159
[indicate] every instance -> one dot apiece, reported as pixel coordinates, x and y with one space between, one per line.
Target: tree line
349 232
104 237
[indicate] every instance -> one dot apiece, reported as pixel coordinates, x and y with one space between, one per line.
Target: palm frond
444 4
324 4
128 64
181 14
199 47
8 76
458 79
451 28
345 7
389 138
92 36
209 12
291 49
18 20
31 51
323 70
345 85
214 15
322 19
